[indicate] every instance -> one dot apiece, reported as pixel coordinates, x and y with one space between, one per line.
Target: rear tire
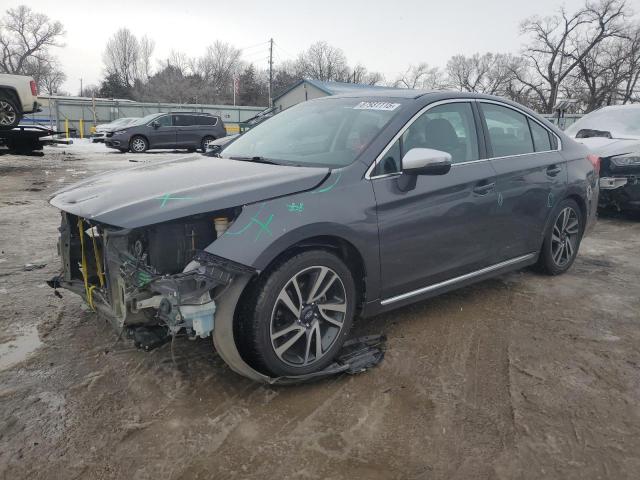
10 114
205 142
562 239
138 144
295 319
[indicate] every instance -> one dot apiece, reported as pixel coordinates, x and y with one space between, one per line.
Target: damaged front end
148 276
620 182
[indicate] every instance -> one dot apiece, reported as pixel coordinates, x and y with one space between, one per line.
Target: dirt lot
524 376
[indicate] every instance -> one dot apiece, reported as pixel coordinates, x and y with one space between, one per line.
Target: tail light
34 88
595 161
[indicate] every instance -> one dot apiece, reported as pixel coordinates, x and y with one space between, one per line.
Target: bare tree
421 76
25 40
218 67
322 61
51 78
147 46
122 57
559 43
630 87
488 73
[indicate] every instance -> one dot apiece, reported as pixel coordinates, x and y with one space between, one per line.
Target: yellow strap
83 264
96 253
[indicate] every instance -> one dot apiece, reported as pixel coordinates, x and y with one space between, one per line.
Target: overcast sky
383 36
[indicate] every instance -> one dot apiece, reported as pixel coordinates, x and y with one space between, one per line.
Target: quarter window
449 128
508 131
541 139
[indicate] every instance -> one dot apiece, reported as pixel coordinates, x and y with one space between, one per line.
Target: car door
443 227
187 134
161 132
531 175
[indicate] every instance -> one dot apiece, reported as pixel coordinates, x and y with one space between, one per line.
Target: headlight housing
627 160
119 132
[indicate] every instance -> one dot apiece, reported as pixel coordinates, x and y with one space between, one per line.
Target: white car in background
613 133
102 130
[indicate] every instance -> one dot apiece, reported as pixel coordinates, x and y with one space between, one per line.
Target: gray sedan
338 207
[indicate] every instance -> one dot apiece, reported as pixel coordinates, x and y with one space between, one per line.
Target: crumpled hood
164 191
607 147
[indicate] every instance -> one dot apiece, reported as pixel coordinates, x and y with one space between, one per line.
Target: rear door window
509 131
183 120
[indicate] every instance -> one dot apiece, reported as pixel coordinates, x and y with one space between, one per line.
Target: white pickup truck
18 95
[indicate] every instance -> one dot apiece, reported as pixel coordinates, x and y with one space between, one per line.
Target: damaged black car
335 208
613 133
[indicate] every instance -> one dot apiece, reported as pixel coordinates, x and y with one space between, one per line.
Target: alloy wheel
138 145
564 237
308 316
7 113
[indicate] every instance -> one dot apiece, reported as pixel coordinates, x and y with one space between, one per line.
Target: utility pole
81 87
270 71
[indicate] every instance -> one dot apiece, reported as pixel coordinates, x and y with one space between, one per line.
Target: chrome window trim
406 126
461 278
368 176
501 104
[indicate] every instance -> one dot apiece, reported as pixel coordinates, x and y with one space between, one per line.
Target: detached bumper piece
357 355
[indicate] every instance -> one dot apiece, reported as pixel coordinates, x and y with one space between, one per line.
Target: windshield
613 122
329 132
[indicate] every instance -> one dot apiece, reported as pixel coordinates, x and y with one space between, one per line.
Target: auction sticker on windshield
376 106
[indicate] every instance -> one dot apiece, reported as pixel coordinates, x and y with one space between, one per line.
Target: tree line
591 55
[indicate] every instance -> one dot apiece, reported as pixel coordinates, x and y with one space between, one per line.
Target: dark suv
190 130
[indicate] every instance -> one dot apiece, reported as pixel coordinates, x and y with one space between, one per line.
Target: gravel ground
523 376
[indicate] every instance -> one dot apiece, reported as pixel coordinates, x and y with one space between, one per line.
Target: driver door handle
553 170
483 188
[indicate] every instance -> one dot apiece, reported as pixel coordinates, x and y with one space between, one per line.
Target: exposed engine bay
154 275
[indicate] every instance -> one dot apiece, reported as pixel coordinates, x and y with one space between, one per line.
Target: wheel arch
146 139
344 249
571 195
13 93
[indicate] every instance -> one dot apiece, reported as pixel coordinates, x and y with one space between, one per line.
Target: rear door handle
484 188
553 170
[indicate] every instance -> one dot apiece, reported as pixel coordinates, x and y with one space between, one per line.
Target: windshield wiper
255 159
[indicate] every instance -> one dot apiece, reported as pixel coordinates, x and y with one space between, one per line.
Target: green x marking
166 197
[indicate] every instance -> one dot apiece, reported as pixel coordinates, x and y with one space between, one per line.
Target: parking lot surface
524 376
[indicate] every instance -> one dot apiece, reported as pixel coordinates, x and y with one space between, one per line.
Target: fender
264 230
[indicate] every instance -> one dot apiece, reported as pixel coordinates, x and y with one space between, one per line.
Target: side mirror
155 124
426 161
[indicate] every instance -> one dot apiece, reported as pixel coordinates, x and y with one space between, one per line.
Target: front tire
10 114
562 239
297 317
138 144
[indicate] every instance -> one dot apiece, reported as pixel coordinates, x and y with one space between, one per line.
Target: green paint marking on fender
329 187
550 200
166 197
295 207
255 220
